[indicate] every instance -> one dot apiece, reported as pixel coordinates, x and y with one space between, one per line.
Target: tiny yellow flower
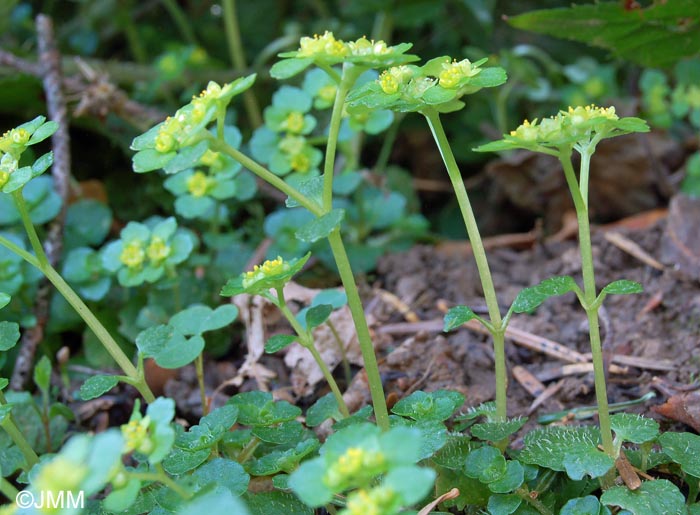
327 93
268 269
388 83
377 501
4 177
300 163
527 131
157 250
198 184
292 145
132 254
135 434
455 71
164 142
211 158
354 463
364 46
19 136
294 122
60 474
326 44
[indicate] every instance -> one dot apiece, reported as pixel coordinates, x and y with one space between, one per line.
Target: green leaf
684 449
211 429
503 504
42 164
4 299
623 287
455 451
77 232
121 499
333 296
584 460
219 500
658 496
457 316
497 431
187 157
150 159
549 447
289 67
307 483
168 346
42 374
324 408
513 478
180 460
312 189
9 335
634 428
486 464
198 319
278 342
18 178
285 432
5 410
588 505
3 383
283 460
95 386
432 437
43 132
274 503
438 405
412 483
317 315
257 408
530 298
225 473
488 78
321 227
648 36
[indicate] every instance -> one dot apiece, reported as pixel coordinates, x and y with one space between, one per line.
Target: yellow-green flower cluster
199 184
268 269
454 72
60 474
14 142
135 434
135 252
356 465
392 79
326 45
380 500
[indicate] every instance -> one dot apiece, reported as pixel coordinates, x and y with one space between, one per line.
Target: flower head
326 46
381 500
454 73
274 273
357 465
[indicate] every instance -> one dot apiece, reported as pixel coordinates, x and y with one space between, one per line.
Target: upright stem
308 343
374 380
235 48
589 296
42 263
8 424
479 255
348 79
180 20
199 367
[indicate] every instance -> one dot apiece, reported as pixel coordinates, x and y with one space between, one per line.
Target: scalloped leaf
496 431
530 298
486 464
634 428
321 227
684 449
658 496
438 405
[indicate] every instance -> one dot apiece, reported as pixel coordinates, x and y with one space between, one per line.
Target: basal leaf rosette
274 273
13 143
180 141
326 50
577 127
144 254
439 84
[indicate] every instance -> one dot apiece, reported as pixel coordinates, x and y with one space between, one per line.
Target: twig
50 64
634 250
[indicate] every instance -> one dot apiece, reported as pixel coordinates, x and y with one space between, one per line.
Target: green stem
41 262
199 367
589 297
180 20
482 265
307 342
524 494
374 380
583 180
8 489
350 75
162 477
8 424
235 48
30 229
267 176
388 143
248 450
343 354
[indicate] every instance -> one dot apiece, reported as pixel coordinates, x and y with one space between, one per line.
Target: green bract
271 274
326 51
439 84
180 141
289 112
13 144
144 253
577 127
151 434
290 156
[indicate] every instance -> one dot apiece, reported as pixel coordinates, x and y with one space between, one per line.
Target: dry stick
50 63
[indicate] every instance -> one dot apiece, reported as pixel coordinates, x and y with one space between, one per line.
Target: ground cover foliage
232 275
